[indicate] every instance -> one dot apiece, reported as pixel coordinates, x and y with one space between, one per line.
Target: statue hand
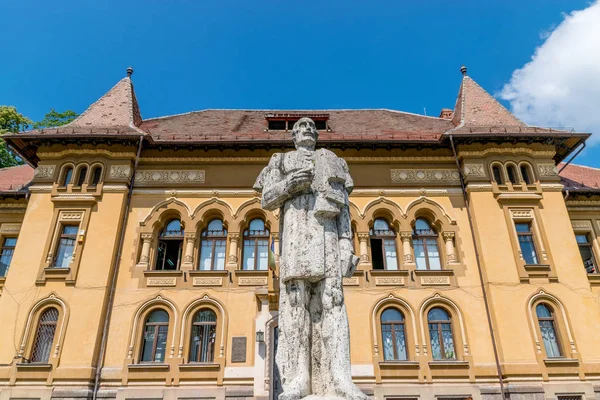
300 180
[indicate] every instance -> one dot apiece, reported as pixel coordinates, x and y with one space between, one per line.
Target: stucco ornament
311 187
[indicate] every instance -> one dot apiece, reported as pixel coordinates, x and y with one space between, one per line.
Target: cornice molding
261 160
499 150
60 154
447 176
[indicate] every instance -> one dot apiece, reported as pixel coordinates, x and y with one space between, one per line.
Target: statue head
305 133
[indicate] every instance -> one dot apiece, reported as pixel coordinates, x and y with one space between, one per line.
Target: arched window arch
383 245
96 175
67 176
256 246
393 335
547 324
81 175
204 333
44 336
440 334
170 243
425 242
497 174
526 173
511 172
154 341
212 246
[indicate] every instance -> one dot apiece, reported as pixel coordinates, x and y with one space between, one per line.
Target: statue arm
348 260
272 184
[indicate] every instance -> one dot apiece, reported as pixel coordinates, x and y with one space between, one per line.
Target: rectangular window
587 255
252 247
8 248
526 242
66 246
209 248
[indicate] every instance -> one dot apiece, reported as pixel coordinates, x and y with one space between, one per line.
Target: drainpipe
572 158
483 290
113 279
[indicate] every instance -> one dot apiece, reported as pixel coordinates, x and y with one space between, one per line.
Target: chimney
446 113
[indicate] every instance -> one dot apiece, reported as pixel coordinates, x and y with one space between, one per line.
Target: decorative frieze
523 214
71 215
169 176
166 281
424 176
581 225
435 280
474 170
44 172
120 172
548 170
252 281
208 281
10 228
389 280
352 281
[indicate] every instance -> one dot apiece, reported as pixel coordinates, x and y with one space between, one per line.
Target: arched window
256 246
170 244
96 175
393 335
212 248
440 334
526 173
425 242
512 173
383 245
497 172
547 323
81 176
204 333
44 336
67 176
156 330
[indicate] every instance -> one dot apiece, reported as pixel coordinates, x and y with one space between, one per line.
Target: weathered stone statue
311 188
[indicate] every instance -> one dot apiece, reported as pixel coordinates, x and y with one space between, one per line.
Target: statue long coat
314 220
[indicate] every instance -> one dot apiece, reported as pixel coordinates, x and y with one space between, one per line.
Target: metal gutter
479 269
113 280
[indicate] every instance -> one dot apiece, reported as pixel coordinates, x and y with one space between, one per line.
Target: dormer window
285 122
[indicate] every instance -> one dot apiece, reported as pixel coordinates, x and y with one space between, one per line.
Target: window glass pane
437 314
436 347
497 174
391 261
419 248
380 225
206 255
581 238
263 254
257 225
68 176
161 343
148 344
512 175
291 124
377 254
276 125
388 342
588 258
248 261
81 178
7 254
422 224
320 125
215 225
203 343
64 254
523 227
219 263
173 228
542 311
448 342
391 314
44 337
433 254
172 254
70 230
550 339
96 176
10 242
205 316
158 316
525 174
400 341
528 249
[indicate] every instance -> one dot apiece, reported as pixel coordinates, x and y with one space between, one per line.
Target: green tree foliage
55 118
10 121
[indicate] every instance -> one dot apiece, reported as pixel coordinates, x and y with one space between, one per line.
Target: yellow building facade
140 265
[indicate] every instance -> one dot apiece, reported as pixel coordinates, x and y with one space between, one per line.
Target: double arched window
212 247
547 324
154 343
204 333
383 245
44 336
425 242
170 243
440 334
256 246
393 335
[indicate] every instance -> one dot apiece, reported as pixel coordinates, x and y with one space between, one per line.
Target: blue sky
192 55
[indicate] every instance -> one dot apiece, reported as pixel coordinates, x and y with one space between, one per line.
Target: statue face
305 133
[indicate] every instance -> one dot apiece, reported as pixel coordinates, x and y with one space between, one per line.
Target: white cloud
560 86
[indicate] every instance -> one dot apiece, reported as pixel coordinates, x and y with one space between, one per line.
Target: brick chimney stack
446 113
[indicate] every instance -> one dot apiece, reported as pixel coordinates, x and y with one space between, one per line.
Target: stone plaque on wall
435 280
171 281
238 349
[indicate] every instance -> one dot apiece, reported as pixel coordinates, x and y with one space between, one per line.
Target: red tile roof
580 177
13 179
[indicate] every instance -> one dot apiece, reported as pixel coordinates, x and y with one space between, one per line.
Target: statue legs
294 347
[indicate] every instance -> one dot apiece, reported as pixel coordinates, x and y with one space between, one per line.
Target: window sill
200 367
561 362
246 272
219 272
55 271
148 367
594 279
399 364
34 366
448 364
538 270
154 272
